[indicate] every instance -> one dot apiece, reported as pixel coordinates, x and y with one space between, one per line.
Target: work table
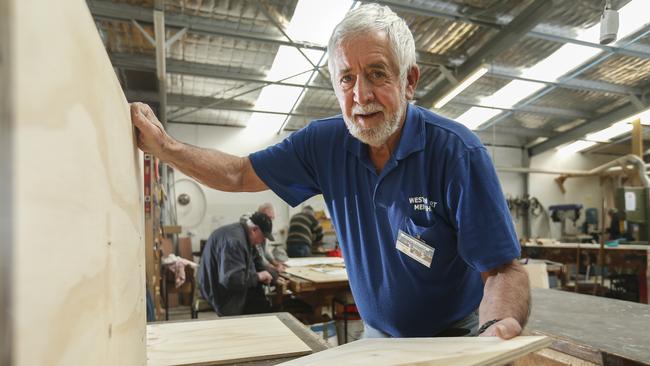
601 330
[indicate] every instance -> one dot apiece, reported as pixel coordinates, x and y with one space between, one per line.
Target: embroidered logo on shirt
422 203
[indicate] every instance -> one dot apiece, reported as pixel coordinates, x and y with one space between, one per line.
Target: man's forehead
352 59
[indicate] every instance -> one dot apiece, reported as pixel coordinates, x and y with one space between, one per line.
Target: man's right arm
213 168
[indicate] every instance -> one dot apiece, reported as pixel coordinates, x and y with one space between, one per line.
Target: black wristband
487 324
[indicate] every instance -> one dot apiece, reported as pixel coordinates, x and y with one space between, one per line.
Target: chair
168 285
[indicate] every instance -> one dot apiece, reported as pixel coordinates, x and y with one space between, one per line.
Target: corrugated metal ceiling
244 61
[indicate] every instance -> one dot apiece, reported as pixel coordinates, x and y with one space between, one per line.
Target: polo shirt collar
412 138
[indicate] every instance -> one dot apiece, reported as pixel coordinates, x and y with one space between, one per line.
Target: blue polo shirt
439 185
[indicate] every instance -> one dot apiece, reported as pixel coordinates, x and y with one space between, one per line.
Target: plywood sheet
456 351
319 274
6 194
215 342
78 279
537 275
313 261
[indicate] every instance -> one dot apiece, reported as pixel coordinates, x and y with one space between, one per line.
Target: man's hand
280 281
281 267
506 296
264 277
150 133
506 328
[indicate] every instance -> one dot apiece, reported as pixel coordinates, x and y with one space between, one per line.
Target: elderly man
231 274
425 231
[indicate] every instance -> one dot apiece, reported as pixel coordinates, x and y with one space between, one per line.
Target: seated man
305 233
231 274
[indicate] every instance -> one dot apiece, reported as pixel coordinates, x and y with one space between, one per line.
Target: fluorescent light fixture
512 93
469 80
476 116
560 62
314 20
576 147
605 135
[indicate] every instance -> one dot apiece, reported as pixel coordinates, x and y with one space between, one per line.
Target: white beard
375 136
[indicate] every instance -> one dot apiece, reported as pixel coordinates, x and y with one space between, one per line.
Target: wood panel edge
6 157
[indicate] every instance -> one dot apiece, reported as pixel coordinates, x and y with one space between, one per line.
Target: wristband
487 324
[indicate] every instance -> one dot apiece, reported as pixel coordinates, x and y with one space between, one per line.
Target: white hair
374 17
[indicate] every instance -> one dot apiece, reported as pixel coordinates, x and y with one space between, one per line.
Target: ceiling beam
506 37
580 131
450 11
213 27
192 101
146 63
194 23
549 111
126 12
505 72
515 131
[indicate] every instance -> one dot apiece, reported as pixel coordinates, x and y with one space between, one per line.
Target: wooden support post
637 138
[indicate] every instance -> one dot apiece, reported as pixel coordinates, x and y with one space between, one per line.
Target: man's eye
377 75
346 79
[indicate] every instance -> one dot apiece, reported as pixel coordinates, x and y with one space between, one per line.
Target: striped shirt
304 229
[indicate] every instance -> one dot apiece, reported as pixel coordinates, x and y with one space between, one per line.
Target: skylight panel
476 116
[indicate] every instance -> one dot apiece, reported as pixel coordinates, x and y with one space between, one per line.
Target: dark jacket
228 269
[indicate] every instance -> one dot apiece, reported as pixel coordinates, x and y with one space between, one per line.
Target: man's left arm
506 298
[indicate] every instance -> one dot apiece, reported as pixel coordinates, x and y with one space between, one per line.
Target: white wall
223 207
512 184
583 190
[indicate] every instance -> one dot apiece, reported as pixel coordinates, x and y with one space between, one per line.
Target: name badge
414 248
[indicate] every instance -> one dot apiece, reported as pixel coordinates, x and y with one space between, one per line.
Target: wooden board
616 328
313 261
78 262
537 275
215 342
456 351
319 274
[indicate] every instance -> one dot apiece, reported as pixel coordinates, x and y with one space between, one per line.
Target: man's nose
363 91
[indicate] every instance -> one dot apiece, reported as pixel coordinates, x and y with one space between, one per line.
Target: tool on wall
562 214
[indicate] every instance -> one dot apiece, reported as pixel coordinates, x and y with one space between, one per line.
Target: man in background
231 274
276 258
305 233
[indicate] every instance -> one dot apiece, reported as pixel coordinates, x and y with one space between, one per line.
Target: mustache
367 109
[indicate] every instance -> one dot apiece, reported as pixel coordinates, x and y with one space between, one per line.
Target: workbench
595 329
318 294
622 259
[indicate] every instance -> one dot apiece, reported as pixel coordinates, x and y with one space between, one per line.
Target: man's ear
412 78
